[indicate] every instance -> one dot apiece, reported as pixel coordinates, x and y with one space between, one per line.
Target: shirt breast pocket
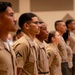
32 63
32 55
3 69
32 59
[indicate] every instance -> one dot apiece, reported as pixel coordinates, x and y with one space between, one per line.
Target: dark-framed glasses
36 22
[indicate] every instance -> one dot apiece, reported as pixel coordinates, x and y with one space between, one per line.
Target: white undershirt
7 45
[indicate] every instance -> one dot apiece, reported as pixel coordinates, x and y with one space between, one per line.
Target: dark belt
43 72
64 62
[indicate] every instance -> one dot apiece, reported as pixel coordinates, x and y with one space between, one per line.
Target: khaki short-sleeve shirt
70 56
72 42
54 60
43 65
26 55
7 60
63 50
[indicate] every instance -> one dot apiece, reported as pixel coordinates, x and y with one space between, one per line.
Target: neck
3 36
55 44
40 39
70 29
31 36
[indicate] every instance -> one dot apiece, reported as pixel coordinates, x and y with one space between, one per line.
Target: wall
47 16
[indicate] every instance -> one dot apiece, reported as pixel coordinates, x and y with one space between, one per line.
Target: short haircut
56 23
18 31
51 34
24 18
4 5
68 22
65 35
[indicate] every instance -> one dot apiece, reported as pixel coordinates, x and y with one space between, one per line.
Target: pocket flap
3 67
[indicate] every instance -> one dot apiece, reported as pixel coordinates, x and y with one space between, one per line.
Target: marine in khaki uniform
70 56
7 55
72 45
71 27
67 38
72 42
64 55
43 66
53 52
7 60
26 55
25 47
61 28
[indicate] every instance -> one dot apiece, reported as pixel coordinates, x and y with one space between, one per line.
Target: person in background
70 24
14 38
61 28
66 37
25 48
53 52
10 39
43 66
19 33
7 24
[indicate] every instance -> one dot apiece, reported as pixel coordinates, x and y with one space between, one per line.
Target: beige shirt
70 56
26 55
43 65
54 60
72 42
63 50
7 60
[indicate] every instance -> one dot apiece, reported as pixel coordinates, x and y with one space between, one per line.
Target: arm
21 52
19 70
51 55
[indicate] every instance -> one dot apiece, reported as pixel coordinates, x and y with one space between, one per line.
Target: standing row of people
65 48
25 48
29 55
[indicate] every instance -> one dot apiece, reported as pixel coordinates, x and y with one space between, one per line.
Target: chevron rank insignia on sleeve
18 54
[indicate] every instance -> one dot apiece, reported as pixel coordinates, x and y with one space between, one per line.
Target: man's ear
26 26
